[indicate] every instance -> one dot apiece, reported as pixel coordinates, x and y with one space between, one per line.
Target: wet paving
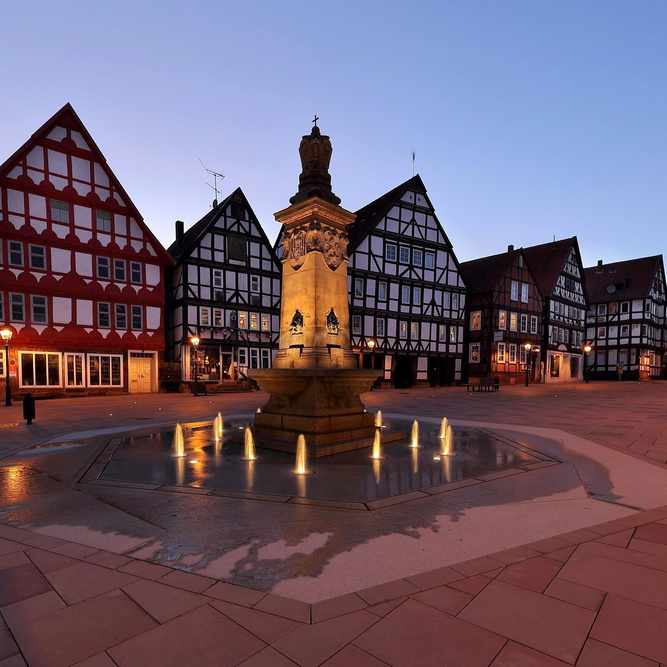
348 477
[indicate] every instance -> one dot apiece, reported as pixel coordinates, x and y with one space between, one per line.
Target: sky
529 119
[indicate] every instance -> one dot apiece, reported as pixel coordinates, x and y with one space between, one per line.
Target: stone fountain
315 384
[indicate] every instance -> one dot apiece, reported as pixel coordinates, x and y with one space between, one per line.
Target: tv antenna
216 175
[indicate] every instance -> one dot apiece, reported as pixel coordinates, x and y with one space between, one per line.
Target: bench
483 384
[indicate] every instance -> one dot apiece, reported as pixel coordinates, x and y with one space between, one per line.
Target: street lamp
587 350
7 336
527 347
195 344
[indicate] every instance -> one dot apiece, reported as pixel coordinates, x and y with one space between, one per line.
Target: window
402 329
512 353
379 328
358 287
533 324
266 358
119 270
39 369
442 333
625 307
520 261
265 322
514 295
522 354
602 332
429 260
102 221
404 256
121 316
476 320
59 211
501 353
254 357
524 292
204 317
38 309
254 284
236 249
382 291
74 370
17 308
405 294
602 309
513 321
105 370
601 359
524 323
217 278
414 331
243 319
417 257
217 317
135 272
452 334
254 321
390 252
37 258
2 310
137 314
417 296
474 353
455 304
243 358
103 268
103 316
15 253
502 319
356 324
625 330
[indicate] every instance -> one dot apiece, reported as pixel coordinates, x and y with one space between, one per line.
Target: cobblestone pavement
593 595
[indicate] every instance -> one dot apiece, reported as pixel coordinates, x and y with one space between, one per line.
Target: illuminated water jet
414 440
301 456
377 446
177 444
378 419
248 446
443 428
448 443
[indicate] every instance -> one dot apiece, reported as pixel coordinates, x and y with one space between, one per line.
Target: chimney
510 248
598 268
179 231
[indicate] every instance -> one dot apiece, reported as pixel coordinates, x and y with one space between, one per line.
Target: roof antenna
413 164
216 175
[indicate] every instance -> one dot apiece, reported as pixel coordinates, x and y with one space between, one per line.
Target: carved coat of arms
297 248
332 249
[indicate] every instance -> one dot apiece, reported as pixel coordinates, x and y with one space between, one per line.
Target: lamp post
527 347
587 350
195 344
7 336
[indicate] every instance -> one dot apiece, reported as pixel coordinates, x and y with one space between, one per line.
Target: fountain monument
315 384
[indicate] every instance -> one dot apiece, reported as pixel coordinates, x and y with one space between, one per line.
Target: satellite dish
611 288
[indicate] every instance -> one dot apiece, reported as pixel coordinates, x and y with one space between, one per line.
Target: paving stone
648 547
445 598
311 645
15 661
74 550
632 626
514 555
582 596
85 580
652 532
471 585
534 574
9 546
13 559
343 604
267 657
547 625
163 602
516 655
8 646
71 635
99 660
384 608
235 594
353 656
145 570
268 627
389 591
477 566
33 607
596 653
285 607
620 539
417 634
187 581
200 637
107 559
433 578
21 582
47 561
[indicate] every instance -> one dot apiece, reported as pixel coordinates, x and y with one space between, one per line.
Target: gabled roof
484 274
67 117
371 214
192 237
547 261
631 279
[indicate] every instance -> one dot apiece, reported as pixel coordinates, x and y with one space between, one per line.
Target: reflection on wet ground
351 476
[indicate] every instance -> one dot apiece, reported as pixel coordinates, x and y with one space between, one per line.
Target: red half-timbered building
81 276
504 312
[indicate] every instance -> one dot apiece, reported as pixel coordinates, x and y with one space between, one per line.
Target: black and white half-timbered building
407 294
626 321
224 289
559 273
505 310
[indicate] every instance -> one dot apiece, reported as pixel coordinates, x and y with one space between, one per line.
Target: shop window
39 369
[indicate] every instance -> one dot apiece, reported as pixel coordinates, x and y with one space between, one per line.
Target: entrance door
403 373
140 375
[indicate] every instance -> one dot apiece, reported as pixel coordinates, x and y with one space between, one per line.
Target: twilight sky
529 118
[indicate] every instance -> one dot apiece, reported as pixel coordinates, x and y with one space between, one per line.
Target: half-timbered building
407 295
225 289
559 273
626 321
81 275
504 315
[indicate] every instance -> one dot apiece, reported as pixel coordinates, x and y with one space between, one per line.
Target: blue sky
529 119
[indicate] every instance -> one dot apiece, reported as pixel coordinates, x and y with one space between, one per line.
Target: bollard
29 408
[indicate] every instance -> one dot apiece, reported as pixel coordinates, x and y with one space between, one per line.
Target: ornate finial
314 181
